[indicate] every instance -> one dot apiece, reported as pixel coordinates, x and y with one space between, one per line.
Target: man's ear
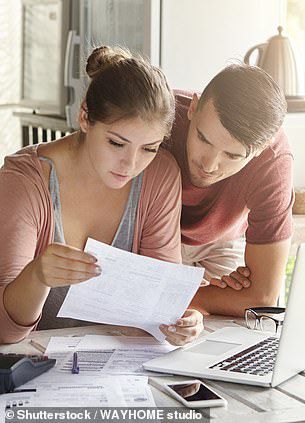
258 152
83 118
193 107
261 149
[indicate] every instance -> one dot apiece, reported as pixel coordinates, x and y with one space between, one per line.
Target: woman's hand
237 279
186 330
61 265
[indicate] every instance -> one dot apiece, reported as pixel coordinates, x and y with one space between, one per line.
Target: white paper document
115 391
59 387
99 355
59 346
132 290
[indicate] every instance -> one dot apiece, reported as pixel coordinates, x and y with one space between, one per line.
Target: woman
108 181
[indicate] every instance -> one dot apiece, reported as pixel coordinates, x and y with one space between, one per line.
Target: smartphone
195 394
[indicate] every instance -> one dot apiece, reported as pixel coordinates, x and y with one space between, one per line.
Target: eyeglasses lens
250 319
267 324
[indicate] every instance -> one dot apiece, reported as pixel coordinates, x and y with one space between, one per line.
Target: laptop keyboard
256 360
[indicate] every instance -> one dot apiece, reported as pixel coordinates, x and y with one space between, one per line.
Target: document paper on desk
115 391
132 290
100 354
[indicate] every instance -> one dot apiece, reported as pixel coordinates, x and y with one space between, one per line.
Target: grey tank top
123 239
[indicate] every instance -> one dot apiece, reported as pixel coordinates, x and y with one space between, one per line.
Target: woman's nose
129 161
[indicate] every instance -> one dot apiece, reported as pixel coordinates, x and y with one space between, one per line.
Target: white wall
200 37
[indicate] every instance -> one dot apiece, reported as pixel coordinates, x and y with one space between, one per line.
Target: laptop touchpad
212 347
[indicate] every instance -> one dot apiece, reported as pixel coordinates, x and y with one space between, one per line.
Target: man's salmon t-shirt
256 201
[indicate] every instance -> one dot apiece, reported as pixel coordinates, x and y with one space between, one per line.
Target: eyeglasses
262 318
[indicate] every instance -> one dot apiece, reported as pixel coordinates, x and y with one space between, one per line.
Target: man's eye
151 150
202 139
115 144
232 157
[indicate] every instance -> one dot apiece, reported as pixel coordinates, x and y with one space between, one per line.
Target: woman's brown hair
125 86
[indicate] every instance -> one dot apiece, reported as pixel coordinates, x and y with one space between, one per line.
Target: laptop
247 356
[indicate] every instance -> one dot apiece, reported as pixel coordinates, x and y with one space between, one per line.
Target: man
237 188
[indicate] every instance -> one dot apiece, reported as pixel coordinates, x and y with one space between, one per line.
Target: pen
38 347
75 368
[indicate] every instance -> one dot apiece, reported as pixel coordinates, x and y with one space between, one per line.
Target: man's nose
210 163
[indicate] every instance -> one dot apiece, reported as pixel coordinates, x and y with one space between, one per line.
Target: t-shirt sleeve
160 235
270 200
18 239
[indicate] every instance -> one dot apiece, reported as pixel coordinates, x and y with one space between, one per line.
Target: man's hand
237 279
186 329
267 263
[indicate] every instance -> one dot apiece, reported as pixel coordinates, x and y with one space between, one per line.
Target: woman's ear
83 118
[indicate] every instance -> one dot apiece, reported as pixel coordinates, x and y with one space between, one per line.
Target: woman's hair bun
103 57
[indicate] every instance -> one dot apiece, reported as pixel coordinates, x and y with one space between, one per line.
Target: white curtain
10 76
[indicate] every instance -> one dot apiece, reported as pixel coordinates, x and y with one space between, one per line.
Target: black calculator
17 369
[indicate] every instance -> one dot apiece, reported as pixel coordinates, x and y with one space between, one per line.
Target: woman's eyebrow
125 139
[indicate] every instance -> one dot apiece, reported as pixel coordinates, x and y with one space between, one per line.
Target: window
10 59
296 26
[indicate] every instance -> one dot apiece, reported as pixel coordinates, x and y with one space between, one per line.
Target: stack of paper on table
118 391
111 374
94 386
99 354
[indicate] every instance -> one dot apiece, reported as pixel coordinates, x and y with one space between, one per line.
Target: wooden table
285 403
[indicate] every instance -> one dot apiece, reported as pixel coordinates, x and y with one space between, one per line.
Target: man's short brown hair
249 103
